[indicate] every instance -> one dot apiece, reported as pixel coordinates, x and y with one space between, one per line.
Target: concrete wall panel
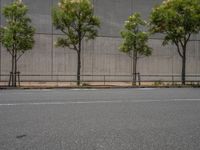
64 62
144 7
101 56
109 47
39 59
40 13
112 19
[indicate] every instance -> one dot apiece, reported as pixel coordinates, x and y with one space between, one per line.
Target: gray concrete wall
101 56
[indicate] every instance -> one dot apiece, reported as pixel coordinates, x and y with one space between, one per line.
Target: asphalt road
105 119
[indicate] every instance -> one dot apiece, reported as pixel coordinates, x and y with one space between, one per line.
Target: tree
75 18
135 40
177 20
17 36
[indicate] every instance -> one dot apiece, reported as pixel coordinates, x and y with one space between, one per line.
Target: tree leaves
76 20
133 38
18 34
176 19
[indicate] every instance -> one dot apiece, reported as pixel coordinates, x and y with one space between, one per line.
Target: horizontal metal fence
102 79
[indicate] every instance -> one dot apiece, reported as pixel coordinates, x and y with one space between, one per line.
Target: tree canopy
177 20
17 36
76 20
134 39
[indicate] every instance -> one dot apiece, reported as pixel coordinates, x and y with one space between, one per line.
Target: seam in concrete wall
0 45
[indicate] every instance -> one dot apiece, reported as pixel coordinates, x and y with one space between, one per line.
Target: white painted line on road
83 89
96 102
86 102
46 90
146 88
186 99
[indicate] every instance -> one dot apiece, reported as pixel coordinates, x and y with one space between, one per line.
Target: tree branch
20 55
64 31
73 48
178 48
74 27
182 44
10 52
187 39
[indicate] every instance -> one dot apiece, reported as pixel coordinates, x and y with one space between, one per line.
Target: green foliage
158 83
133 38
85 84
76 20
17 35
177 19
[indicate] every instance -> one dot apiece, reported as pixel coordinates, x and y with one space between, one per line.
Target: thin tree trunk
79 65
183 57
134 69
183 66
12 69
15 71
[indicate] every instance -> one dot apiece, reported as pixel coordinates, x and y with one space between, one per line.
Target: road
101 119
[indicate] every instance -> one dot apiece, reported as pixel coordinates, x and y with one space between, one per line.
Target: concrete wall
101 56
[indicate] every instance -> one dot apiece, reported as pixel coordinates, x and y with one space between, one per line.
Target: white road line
83 89
86 102
96 102
29 92
147 89
186 99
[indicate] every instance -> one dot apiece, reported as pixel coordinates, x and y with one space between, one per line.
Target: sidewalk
67 85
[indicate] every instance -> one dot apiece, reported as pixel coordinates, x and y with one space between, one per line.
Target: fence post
133 79
139 79
57 81
10 78
104 79
18 73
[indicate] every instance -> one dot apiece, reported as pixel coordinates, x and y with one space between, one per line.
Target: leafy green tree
135 41
17 36
177 20
76 19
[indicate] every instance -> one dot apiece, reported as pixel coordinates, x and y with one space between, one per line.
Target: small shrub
85 84
158 83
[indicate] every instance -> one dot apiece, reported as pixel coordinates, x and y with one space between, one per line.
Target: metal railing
103 79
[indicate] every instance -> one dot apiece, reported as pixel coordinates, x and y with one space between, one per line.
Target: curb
93 87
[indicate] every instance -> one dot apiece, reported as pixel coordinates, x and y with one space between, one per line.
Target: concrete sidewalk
51 85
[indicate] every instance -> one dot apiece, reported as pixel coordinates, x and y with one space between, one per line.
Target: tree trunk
12 70
78 68
134 69
15 70
79 64
183 66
